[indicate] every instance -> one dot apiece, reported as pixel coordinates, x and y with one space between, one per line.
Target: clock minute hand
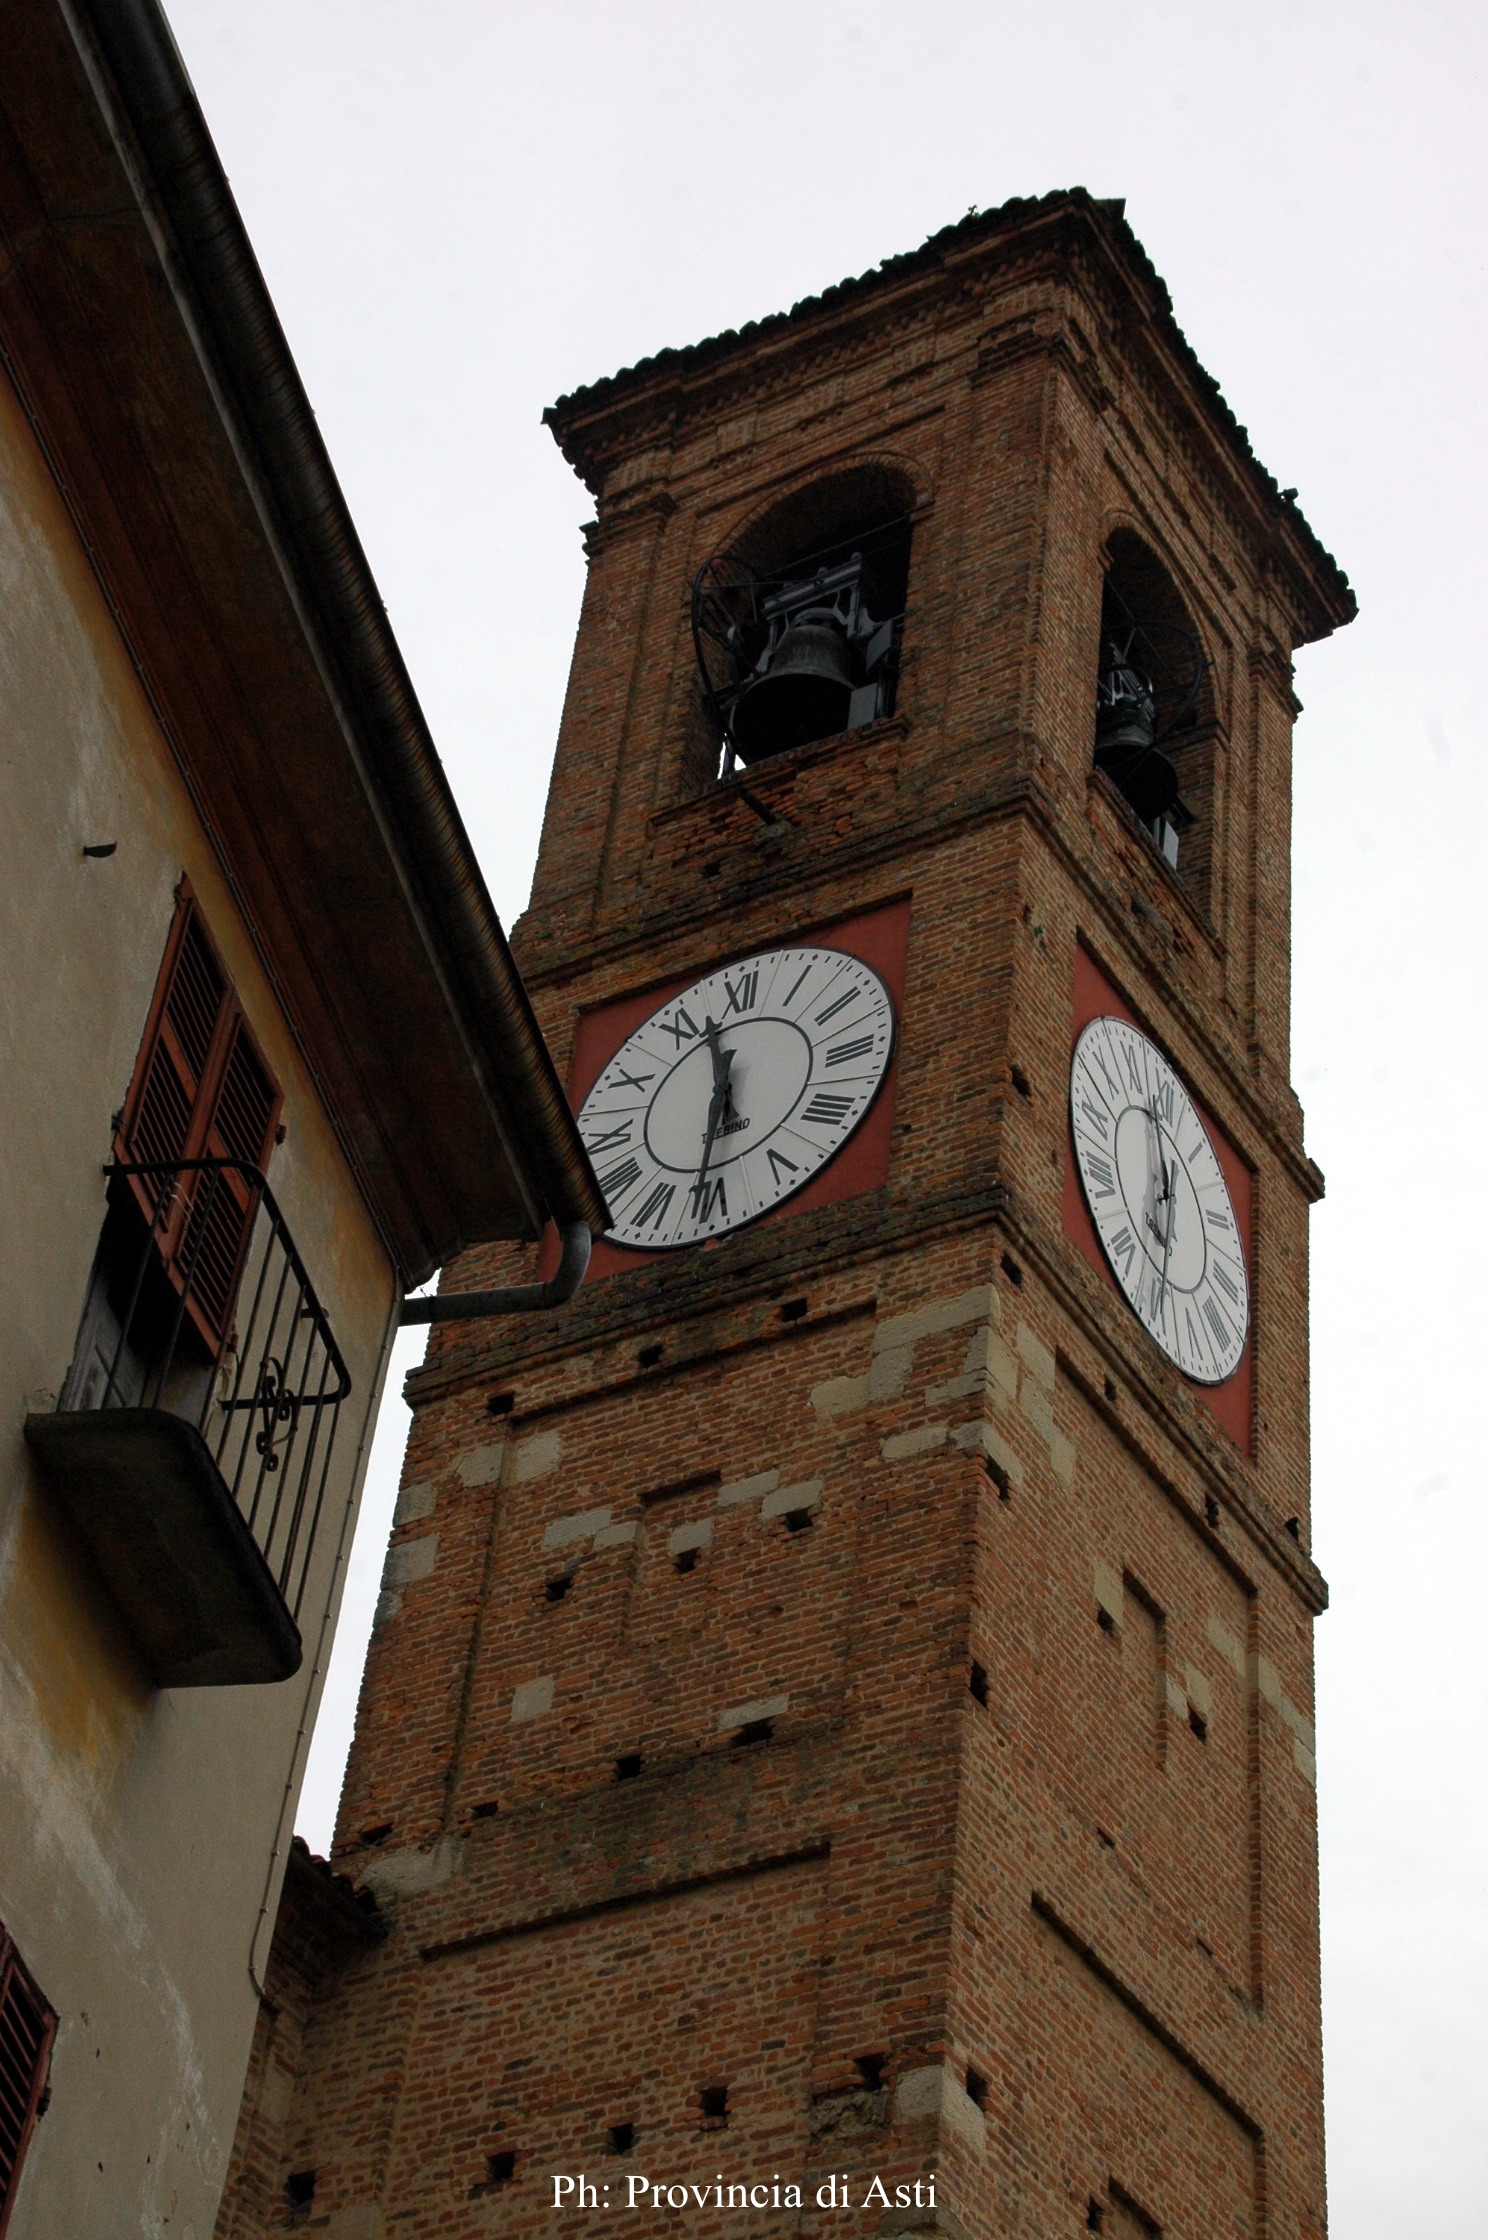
1168 1177
717 1104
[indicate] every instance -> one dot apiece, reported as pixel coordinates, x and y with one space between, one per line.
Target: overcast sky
464 209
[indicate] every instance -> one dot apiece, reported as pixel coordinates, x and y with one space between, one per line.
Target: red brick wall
1014 1882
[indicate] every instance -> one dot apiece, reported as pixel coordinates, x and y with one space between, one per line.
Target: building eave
138 330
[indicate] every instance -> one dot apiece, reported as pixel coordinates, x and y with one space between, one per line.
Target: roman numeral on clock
654 1209
619 1179
845 1052
609 1136
741 993
826 1110
707 1194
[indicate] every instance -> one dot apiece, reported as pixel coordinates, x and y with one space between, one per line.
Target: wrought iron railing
206 1311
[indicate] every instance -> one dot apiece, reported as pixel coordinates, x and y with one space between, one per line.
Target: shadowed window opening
999 1477
713 2103
976 2089
628 1768
299 2194
501 1403
1198 1723
977 1683
798 1520
1153 705
622 2137
501 2168
754 1730
371 1837
686 1560
1020 1082
648 1356
486 1811
1104 1619
1011 1269
870 2067
793 1310
556 1589
797 628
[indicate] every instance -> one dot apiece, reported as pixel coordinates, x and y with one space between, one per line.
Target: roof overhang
138 331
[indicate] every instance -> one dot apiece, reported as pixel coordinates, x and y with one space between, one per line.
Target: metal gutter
232 311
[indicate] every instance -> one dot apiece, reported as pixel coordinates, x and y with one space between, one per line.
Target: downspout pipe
512 1298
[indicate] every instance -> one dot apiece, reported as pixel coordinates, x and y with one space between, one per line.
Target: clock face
735 1093
1159 1200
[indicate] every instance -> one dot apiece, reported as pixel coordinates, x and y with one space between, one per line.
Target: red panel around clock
1231 1404
880 938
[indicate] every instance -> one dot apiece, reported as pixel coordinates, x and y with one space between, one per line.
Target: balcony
193 1444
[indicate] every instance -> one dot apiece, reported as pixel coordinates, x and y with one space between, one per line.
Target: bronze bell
803 695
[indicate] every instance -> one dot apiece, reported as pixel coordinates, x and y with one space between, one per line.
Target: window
201 1090
797 628
1154 719
27 2027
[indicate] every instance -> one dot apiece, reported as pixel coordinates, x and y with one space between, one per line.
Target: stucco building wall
133 1871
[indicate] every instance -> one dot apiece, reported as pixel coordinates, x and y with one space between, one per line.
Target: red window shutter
201 1090
27 2028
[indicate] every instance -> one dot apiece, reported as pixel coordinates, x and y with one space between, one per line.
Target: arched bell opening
1154 707
797 628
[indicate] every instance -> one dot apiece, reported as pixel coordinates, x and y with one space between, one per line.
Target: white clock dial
1159 1200
735 1093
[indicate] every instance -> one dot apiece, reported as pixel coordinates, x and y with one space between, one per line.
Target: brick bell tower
840 1710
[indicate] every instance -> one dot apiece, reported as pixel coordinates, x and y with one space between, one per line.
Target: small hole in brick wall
798 1520
1198 1723
793 1310
976 2089
1108 1840
870 2067
1211 1510
686 1561
1111 1390
556 1589
977 1683
622 2137
1095 2217
1104 1619
1011 1269
487 1810
999 1478
754 1730
379 1834
1020 1082
299 2192
1294 1527
501 1403
648 1356
628 1768
711 870
713 2103
501 2168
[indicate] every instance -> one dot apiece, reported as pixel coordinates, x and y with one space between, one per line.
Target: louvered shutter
27 2027
201 1091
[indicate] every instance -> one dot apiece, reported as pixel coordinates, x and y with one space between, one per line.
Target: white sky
466 207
